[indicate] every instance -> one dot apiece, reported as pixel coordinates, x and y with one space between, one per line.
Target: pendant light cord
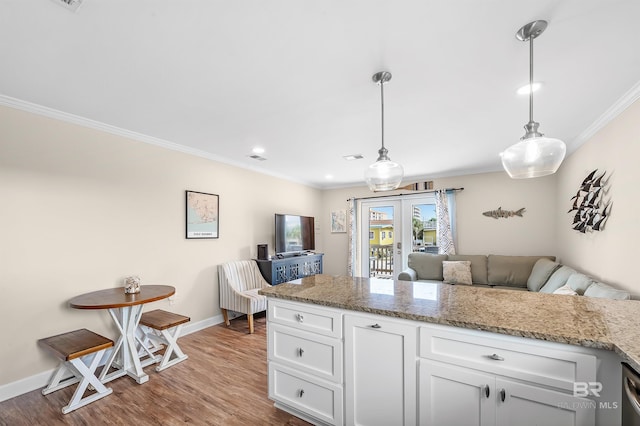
531 79
382 107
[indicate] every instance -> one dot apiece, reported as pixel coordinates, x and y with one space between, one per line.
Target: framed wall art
339 221
202 215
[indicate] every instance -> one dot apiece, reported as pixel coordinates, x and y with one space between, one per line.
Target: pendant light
535 155
384 174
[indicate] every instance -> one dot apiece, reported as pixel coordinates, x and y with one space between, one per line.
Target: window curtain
445 206
351 234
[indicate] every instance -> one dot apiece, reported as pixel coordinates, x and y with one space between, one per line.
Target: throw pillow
565 289
540 273
457 272
557 279
579 283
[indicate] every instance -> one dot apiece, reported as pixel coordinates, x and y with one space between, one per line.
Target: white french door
391 228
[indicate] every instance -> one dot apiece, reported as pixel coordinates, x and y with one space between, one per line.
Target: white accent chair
239 282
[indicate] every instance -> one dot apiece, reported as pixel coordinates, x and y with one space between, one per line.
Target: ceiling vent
72 5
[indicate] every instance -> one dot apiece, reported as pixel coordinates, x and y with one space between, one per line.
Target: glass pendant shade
533 157
384 174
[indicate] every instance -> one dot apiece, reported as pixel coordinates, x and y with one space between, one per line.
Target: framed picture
201 215
339 221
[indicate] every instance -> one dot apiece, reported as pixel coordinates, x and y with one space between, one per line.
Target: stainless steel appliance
630 396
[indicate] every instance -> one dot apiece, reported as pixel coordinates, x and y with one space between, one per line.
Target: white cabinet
471 377
380 371
305 356
451 395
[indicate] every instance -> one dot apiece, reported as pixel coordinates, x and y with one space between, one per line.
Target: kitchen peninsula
346 350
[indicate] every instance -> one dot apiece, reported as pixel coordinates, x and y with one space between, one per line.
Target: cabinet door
530 405
451 396
380 371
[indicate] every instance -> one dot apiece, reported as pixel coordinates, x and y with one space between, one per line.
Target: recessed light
524 90
258 150
328 177
353 157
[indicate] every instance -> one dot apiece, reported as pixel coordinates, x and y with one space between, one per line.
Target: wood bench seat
162 327
73 349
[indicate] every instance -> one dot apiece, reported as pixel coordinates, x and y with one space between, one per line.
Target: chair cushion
540 273
257 302
478 266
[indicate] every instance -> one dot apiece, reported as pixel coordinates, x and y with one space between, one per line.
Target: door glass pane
424 225
381 242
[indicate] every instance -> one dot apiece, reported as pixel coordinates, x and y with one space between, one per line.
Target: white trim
107 128
40 380
624 102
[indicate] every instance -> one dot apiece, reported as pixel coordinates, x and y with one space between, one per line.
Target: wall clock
591 211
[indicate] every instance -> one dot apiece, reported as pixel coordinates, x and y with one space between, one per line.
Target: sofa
527 273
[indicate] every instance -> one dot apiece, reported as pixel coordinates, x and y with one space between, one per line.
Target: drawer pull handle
299 317
503 394
300 393
487 391
376 326
300 352
496 357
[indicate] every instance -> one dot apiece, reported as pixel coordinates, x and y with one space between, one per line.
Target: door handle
376 326
495 357
503 394
300 352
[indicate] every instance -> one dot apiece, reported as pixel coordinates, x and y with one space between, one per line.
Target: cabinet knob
300 393
487 391
495 357
300 317
300 351
376 326
503 394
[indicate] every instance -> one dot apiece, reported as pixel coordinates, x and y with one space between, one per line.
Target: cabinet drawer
527 361
312 353
308 394
306 317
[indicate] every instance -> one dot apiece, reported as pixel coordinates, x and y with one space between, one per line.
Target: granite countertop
575 320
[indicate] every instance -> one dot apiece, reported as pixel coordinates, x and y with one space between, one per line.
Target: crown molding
624 102
107 128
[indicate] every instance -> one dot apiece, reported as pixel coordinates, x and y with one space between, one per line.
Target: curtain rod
412 193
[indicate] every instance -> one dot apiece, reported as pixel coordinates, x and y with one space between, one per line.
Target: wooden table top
117 298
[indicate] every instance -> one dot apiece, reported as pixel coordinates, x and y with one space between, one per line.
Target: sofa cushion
579 282
427 265
566 290
598 289
511 271
457 272
557 279
542 270
478 266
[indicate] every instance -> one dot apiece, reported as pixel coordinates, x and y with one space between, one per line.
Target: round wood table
125 310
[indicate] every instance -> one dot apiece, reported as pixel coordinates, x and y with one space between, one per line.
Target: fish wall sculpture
591 211
498 213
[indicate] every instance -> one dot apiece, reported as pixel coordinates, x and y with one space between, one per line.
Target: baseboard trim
40 380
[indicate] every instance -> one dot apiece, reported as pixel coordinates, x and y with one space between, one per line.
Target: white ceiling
294 76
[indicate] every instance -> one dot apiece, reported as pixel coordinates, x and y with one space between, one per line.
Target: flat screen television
294 234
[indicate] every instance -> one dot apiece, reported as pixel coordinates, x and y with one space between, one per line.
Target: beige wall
81 209
609 254
532 234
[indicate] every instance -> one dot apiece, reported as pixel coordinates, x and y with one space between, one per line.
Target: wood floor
224 382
